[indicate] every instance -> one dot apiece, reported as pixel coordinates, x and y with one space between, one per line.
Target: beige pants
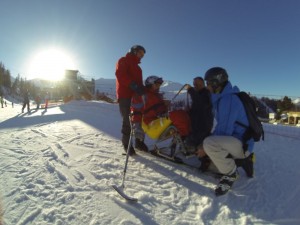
219 147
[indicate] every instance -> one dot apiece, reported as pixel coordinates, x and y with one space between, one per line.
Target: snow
296 101
57 167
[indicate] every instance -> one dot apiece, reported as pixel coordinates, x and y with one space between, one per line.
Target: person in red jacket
152 106
129 81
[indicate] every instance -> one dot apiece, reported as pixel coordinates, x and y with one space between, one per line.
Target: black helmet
152 80
134 49
216 77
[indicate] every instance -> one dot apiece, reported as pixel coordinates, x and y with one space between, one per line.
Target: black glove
205 162
139 90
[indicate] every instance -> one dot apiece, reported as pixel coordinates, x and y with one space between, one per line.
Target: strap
241 124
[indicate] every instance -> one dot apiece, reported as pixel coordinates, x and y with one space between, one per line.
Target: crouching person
152 106
225 145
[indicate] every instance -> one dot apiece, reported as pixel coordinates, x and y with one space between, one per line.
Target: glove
205 163
139 90
138 131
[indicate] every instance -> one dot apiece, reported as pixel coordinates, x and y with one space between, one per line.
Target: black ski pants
24 105
124 106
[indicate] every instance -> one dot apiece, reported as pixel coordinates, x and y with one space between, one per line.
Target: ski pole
127 153
121 189
179 92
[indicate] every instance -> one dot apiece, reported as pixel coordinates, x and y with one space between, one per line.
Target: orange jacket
127 71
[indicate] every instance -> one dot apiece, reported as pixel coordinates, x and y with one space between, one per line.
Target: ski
123 195
181 162
174 159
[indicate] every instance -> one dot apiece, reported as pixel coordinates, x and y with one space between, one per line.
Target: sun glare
50 64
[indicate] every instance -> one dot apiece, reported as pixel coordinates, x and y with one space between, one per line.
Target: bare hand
200 152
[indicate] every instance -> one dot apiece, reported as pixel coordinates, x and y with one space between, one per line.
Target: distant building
76 87
71 75
293 117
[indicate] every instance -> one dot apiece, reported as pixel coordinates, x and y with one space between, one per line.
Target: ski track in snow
59 170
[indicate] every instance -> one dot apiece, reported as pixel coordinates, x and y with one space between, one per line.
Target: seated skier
151 106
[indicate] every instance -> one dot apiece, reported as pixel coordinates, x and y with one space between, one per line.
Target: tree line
15 86
277 106
5 76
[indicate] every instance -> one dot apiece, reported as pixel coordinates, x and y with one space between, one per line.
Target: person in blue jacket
225 145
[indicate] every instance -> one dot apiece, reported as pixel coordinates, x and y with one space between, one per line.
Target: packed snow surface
57 167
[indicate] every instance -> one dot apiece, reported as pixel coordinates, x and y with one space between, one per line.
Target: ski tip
132 155
123 195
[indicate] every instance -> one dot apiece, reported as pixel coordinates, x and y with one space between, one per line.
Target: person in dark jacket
129 81
200 113
26 101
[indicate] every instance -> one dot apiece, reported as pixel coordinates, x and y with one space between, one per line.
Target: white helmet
152 80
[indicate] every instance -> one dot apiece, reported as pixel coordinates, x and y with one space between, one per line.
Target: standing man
129 81
226 143
200 112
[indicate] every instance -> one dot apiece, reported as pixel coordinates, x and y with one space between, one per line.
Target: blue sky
257 41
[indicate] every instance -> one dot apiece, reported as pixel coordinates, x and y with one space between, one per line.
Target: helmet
152 80
134 49
216 77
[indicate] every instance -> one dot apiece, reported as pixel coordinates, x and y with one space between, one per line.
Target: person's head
216 78
153 82
138 50
198 83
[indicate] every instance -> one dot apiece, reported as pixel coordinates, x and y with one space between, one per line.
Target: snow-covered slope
57 167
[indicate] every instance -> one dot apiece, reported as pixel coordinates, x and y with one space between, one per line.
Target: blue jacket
228 109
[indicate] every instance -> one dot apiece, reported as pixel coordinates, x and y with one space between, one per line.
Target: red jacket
150 106
127 71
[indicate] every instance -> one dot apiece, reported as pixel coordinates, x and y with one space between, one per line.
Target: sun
50 64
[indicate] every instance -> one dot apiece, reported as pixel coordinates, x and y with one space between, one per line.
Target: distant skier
2 101
46 100
38 102
26 101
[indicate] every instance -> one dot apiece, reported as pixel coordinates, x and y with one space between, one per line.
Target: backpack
255 129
